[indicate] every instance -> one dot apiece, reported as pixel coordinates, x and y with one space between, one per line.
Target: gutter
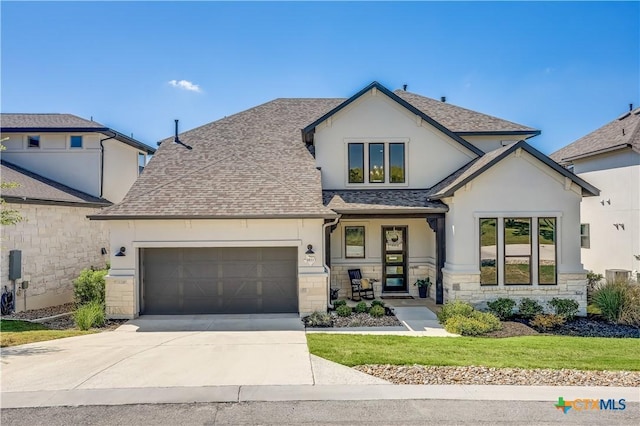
326 267
102 162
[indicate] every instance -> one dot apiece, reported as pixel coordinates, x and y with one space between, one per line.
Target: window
517 251
585 236
376 163
547 250
396 162
356 163
354 241
488 251
33 141
385 162
76 142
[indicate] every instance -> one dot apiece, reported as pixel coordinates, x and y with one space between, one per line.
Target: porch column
437 225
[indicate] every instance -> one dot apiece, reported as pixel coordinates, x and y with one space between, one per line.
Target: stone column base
119 297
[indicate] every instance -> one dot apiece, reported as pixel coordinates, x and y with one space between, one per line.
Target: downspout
326 267
102 163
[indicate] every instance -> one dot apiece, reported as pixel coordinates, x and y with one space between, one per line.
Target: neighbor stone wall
120 297
57 242
312 293
467 287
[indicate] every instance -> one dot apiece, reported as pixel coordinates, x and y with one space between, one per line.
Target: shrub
567 308
476 324
529 308
377 311
502 307
619 302
89 286
593 280
338 303
377 303
343 311
318 319
361 308
609 298
454 308
546 322
89 315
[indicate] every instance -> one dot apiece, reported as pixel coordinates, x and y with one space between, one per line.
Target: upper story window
380 162
585 235
33 141
356 163
76 142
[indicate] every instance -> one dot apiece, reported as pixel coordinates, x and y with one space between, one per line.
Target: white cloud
186 85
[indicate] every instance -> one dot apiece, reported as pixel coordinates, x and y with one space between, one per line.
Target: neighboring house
265 210
65 168
609 157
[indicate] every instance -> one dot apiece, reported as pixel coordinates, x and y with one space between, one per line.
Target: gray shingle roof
462 120
382 201
251 164
43 121
449 185
35 188
621 132
17 122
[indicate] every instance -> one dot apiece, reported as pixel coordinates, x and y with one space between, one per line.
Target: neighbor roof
623 132
19 123
33 188
383 201
449 185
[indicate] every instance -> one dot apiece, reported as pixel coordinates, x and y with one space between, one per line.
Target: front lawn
556 352
14 333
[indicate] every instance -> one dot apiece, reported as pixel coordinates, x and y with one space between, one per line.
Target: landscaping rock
366 320
588 327
423 375
42 313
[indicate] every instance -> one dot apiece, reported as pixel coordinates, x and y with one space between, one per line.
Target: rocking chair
362 287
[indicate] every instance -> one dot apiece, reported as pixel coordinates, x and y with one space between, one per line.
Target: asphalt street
382 412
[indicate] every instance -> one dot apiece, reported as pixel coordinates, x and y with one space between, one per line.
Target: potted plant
424 284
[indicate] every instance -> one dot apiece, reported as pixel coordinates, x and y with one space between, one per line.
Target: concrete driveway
160 351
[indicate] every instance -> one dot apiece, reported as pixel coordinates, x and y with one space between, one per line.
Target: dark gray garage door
225 280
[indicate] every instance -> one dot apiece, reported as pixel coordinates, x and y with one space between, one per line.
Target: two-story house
267 209
610 229
64 168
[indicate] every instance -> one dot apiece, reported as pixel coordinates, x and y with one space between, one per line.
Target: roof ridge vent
623 116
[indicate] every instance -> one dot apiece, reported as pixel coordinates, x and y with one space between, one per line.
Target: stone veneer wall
467 287
119 297
312 294
57 242
340 277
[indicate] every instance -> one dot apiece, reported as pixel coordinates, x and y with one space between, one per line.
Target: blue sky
564 68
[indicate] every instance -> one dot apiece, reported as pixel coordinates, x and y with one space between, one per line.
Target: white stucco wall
137 234
120 169
57 242
490 143
617 175
518 186
78 168
430 155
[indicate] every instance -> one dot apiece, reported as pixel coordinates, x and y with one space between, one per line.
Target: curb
215 394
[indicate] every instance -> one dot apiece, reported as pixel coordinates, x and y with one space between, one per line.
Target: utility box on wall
15 265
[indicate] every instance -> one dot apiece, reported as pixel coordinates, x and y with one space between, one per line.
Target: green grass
556 352
21 332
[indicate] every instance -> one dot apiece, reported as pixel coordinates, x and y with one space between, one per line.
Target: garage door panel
219 280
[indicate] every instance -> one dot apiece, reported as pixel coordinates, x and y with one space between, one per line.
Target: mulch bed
60 323
581 327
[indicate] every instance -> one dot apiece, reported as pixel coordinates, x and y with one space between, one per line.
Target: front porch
394 237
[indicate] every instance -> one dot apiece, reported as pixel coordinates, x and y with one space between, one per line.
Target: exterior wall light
310 257
121 252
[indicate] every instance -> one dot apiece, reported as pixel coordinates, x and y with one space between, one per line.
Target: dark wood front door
394 258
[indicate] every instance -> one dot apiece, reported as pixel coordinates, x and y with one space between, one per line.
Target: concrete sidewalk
355 392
